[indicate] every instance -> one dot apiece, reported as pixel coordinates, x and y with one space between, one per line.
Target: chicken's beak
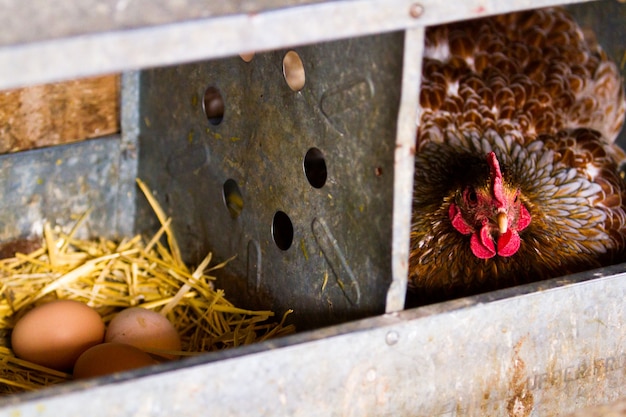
503 222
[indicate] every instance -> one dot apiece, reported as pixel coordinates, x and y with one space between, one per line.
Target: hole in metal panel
213 104
315 168
282 230
232 198
293 70
247 57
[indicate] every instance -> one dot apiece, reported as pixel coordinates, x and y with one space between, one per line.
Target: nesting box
299 161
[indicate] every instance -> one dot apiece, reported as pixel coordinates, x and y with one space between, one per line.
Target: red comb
496 178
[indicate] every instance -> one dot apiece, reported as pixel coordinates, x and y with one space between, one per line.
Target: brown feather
528 87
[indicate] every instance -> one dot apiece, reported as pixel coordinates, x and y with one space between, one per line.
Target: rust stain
521 402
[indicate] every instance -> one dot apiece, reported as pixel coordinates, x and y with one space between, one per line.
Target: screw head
392 338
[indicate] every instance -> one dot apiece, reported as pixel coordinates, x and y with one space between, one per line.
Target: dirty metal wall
334 262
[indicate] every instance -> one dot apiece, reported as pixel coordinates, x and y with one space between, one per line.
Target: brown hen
517 178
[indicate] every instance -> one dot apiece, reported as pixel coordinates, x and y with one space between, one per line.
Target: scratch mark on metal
336 260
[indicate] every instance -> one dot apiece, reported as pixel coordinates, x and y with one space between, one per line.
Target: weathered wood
52 114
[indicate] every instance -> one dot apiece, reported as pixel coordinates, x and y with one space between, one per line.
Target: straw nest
110 276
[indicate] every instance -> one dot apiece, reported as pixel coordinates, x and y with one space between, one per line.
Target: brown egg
55 334
145 329
107 358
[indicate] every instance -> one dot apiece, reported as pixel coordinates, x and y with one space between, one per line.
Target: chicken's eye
470 197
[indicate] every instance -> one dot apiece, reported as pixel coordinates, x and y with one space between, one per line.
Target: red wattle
482 245
457 220
508 243
524 218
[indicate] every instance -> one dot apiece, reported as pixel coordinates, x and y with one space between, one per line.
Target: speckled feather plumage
530 88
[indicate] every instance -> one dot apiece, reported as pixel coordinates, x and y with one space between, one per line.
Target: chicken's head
492 212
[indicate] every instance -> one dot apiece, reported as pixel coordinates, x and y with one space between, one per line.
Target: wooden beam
53 114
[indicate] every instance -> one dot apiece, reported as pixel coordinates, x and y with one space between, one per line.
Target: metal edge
128 156
404 167
121 50
73 397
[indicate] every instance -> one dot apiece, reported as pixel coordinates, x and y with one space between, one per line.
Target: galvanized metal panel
127 156
57 184
603 22
37 20
338 265
539 350
614 409
103 36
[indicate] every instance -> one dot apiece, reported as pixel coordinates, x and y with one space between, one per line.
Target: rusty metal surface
102 36
338 265
540 350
